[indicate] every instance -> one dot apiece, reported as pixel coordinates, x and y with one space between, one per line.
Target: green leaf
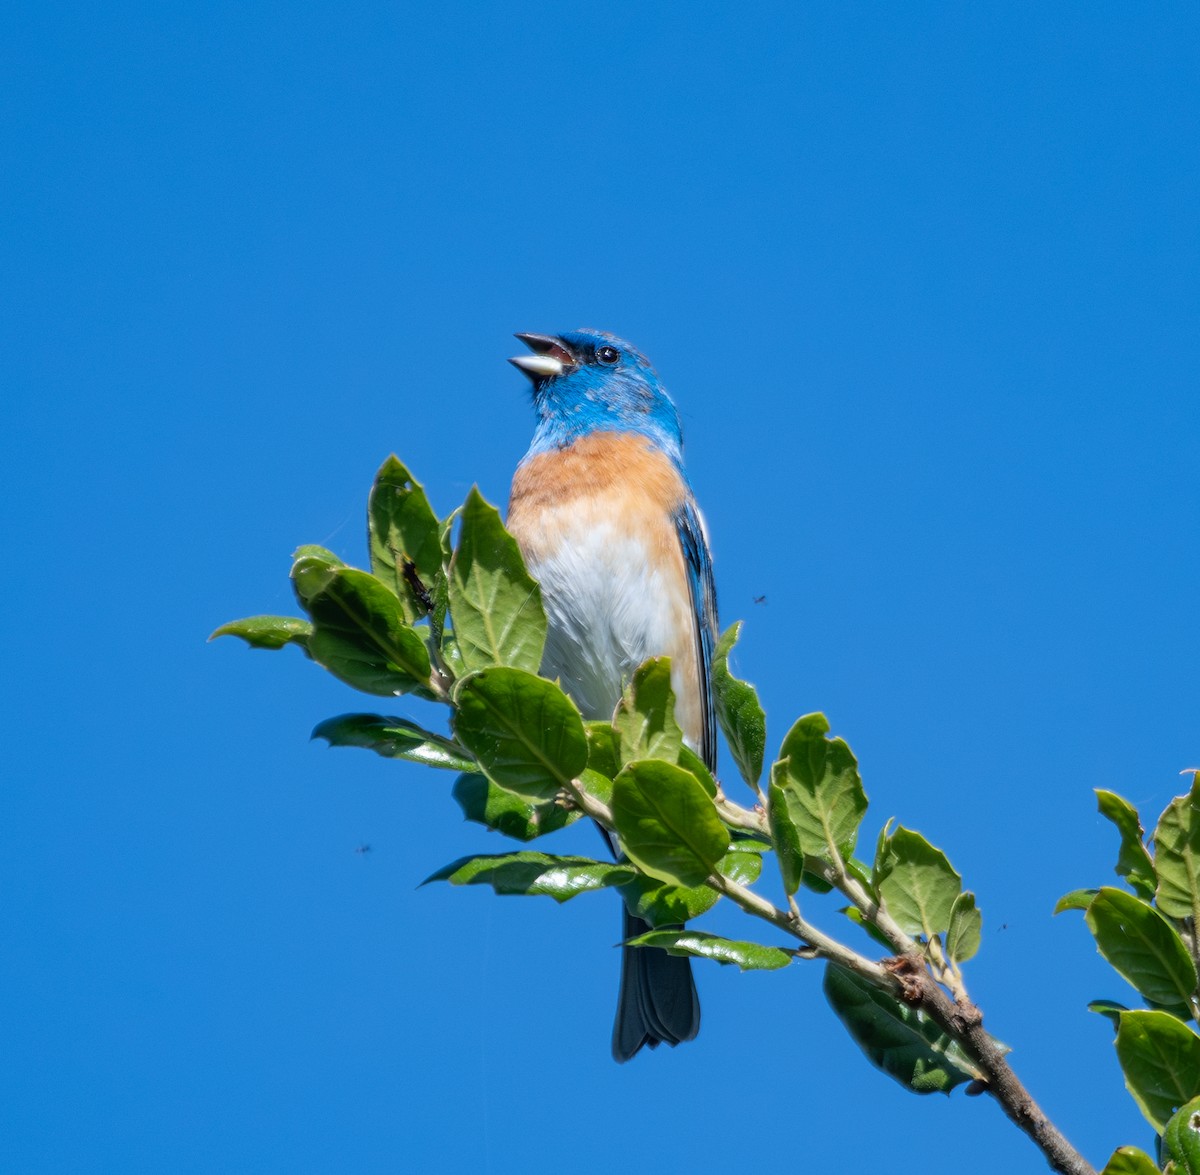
744 861
662 904
597 785
1143 946
917 884
900 1040
667 823
525 732
403 529
1134 863
1077 899
394 738
268 632
495 605
604 753
533 873
359 632
1128 1160
786 837
1160 1057
483 802
311 568
855 915
1177 855
1109 1009
863 874
821 787
749 956
690 761
966 927
1181 1139
738 710
645 717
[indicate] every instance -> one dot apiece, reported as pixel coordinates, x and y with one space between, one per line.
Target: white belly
609 609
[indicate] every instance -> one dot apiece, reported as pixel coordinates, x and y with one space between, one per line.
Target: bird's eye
608 355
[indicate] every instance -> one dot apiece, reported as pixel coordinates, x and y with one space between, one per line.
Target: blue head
587 381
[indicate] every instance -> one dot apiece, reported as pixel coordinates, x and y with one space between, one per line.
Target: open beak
550 357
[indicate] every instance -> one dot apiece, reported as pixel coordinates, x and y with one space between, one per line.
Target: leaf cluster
1147 931
448 613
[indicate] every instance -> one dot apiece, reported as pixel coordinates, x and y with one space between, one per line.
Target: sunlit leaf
268 632
749 956
525 732
1134 863
645 717
486 803
394 738
359 633
917 883
966 927
1181 1139
495 605
738 710
533 873
1128 1160
1143 946
1077 899
1177 855
1160 1057
667 823
821 788
402 531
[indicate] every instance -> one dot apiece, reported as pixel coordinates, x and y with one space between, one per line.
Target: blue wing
704 610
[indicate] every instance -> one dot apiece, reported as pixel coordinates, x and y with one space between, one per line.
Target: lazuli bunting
608 525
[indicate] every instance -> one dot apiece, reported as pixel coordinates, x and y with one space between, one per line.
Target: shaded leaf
667 823
1134 863
394 738
495 605
917 883
966 927
1177 855
268 632
1160 1057
738 710
359 633
525 732
900 1040
401 526
821 787
749 956
1142 945
1077 899
786 838
645 717
532 873
483 802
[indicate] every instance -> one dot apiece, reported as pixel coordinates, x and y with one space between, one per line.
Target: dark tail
657 1002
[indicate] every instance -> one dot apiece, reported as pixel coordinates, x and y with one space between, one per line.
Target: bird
607 522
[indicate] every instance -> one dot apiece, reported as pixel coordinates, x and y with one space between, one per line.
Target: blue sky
923 281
